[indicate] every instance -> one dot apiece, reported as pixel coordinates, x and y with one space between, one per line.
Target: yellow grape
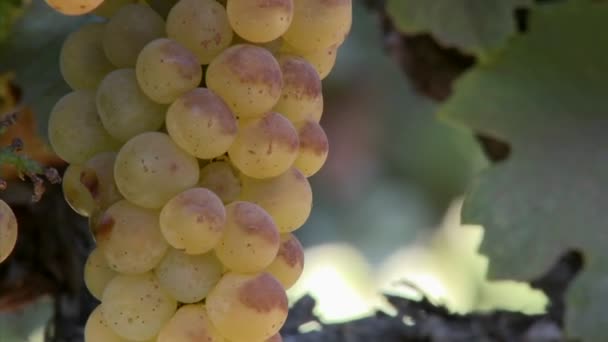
314 147
109 7
150 169
322 60
97 273
248 78
251 239
201 123
287 198
8 230
166 70
190 324
188 278
136 307
265 147
201 26
97 330
302 96
287 267
74 7
222 179
97 176
82 62
260 21
193 221
75 193
247 308
130 238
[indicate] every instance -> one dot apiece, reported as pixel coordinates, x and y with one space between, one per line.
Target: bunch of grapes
190 139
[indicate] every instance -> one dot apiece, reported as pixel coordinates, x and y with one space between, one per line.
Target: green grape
256 303
319 24
128 31
287 198
150 169
130 238
8 230
251 239
124 109
190 324
82 61
74 7
260 21
248 78
201 123
314 147
222 179
97 273
136 307
287 267
97 176
265 147
322 60
201 26
302 97
75 193
97 330
193 221
75 130
109 7
188 278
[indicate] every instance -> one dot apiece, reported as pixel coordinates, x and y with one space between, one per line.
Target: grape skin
288 266
322 60
97 273
8 230
260 21
97 330
189 324
75 193
314 147
74 7
97 177
302 96
221 178
109 7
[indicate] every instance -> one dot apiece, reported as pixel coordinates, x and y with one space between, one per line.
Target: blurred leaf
546 96
10 10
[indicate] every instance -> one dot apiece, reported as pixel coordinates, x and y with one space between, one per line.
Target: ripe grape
97 330
128 31
97 273
75 193
201 123
189 324
248 78
150 169
260 21
301 97
265 147
193 220
97 176
251 239
166 70
109 7
8 230
201 26
287 267
314 147
222 179
188 278
322 60
74 7
124 109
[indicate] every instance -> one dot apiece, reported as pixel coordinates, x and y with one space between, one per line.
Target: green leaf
474 26
9 12
546 96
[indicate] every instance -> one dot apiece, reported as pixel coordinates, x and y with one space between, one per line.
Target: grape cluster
190 139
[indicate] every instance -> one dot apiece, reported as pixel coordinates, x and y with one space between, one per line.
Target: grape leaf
474 26
546 95
10 10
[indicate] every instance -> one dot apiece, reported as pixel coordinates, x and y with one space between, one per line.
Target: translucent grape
189 324
124 109
319 24
201 26
97 330
75 193
166 70
188 278
251 239
8 230
287 198
314 147
222 179
82 61
201 123
301 97
74 7
97 273
256 304
287 267
322 60
260 21
136 307
130 238
109 7
193 221
75 130
265 147
248 78
150 169
128 31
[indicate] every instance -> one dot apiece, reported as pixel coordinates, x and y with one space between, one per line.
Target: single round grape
302 96
97 330
109 7
314 147
190 324
82 62
248 78
265 147
256 304
201 123
74 7
193 221
128 31
8 230
150 169
319 24
166 70
221 178
97 273
287 198
201 26
124 109
287 267
136 307
322 60
75 193
130 238
75 130
260 21
188 278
